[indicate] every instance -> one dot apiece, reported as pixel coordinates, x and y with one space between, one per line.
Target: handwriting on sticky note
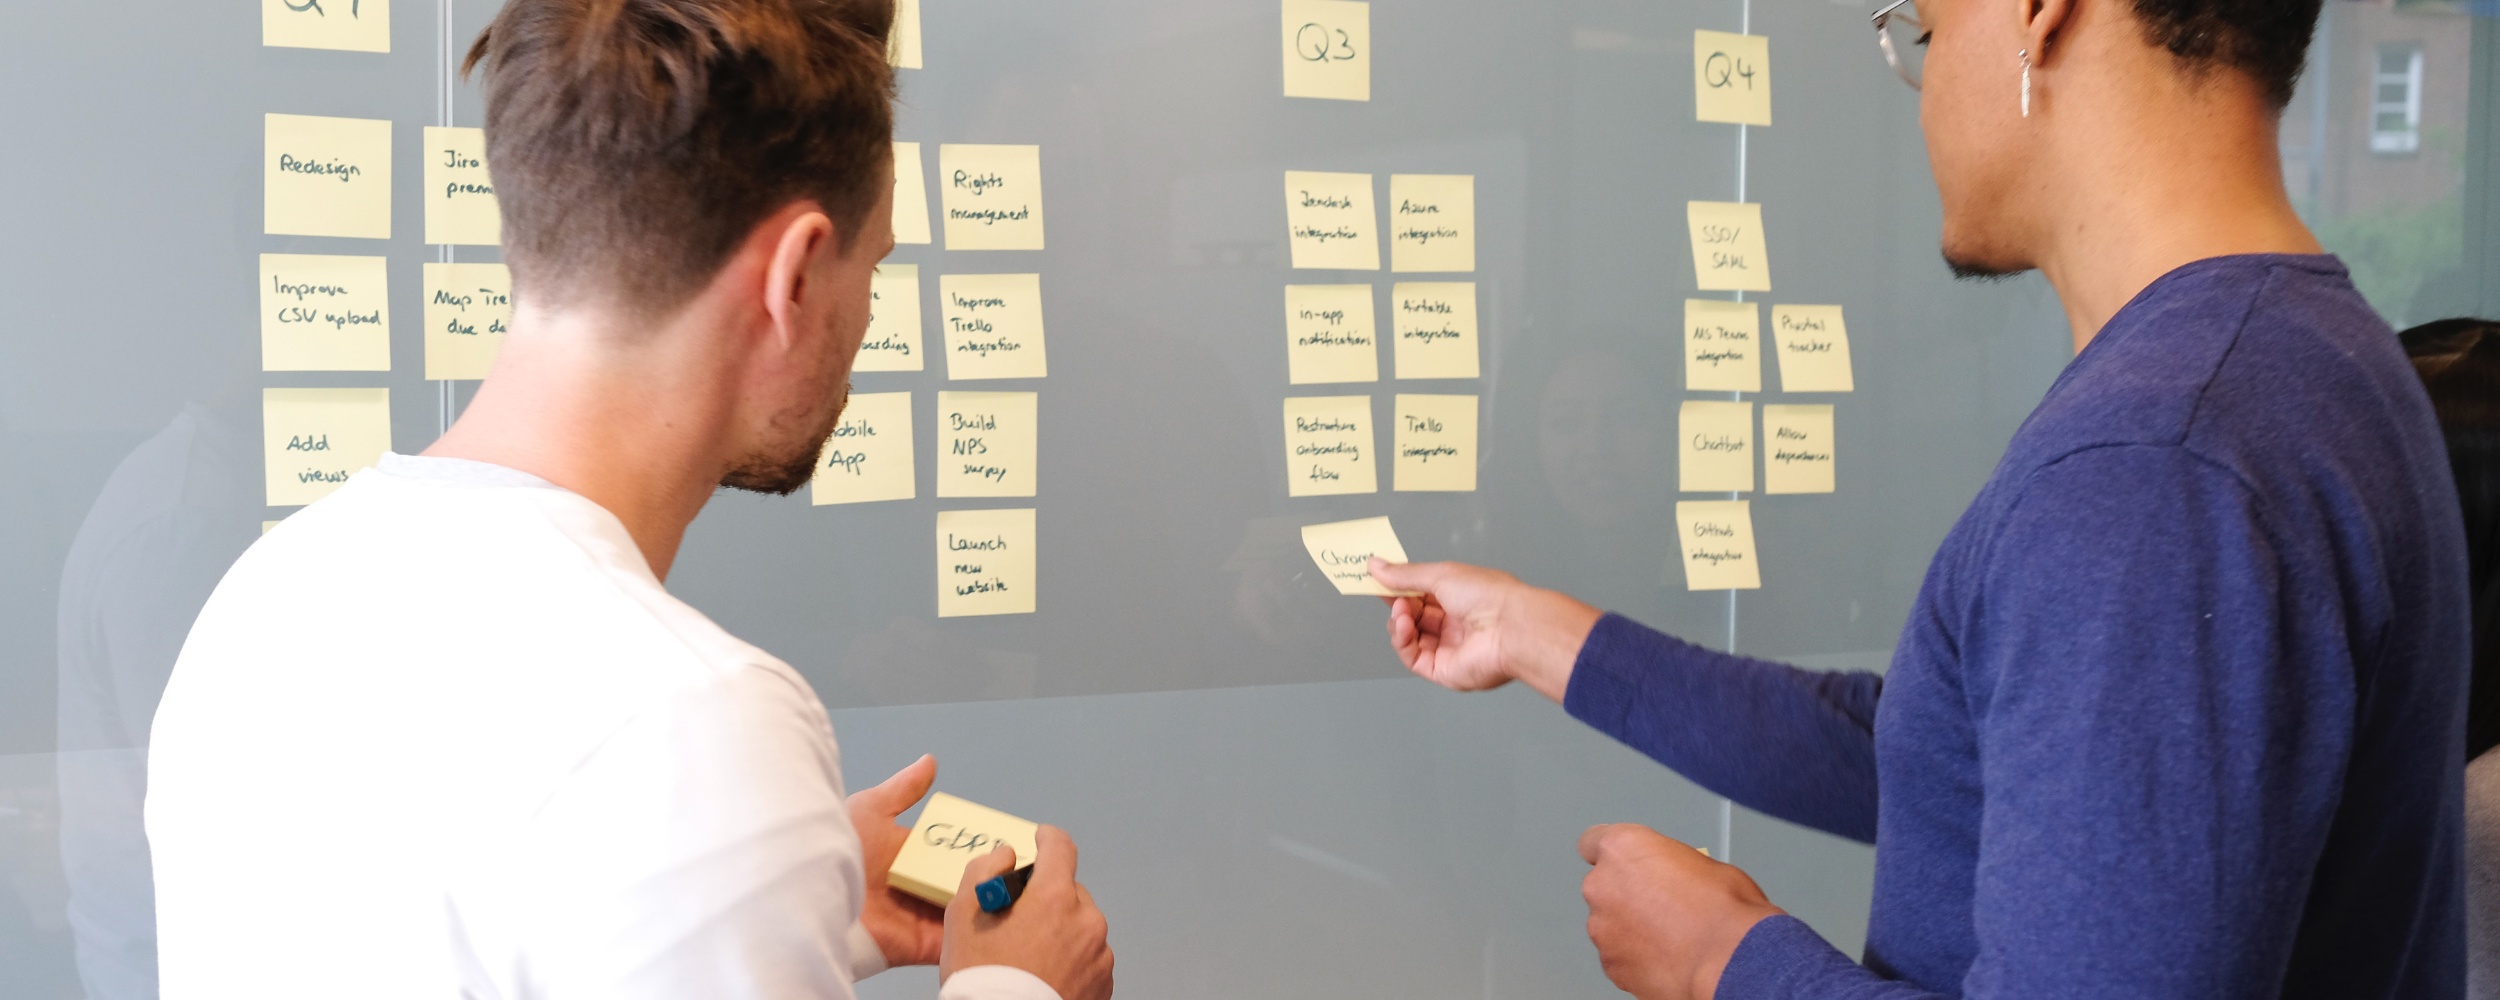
869 456
1329 335
1731 78
892 343
1435 442
1717 538
988 444
1432 222
993 325
1328 446
1434 323
468 309
902 42
992 196
1344 551
911 195
459 194
949 835
1722 346
1716 446
326 176
1328 49
1797 449
1728 250
346 25
313 439
323 313
985 562
1329 220
1813 349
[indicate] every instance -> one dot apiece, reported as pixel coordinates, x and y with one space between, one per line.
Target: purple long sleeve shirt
2179 710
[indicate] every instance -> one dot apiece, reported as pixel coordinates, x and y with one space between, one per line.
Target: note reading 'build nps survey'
345 25
1344 551
1432 222
950 834
1328 446
1728 251
1435 441
985 562
1434 323
993 196
320 313
993 325
1329 335
326 177
1797 449
869 456
1813 348
468 309
1731 78
1329 221
1722 346
988 444
911 195
1717 536
1715 447
1328 49
313 439
459 195
892 343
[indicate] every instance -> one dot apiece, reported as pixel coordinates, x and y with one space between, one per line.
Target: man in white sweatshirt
445 733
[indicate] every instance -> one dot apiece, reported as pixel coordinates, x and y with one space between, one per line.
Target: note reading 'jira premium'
1344 551
459 195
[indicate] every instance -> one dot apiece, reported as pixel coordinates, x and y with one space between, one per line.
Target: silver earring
2026 56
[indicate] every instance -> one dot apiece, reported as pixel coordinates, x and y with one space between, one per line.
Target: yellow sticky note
869 456
1328 49
1344 551
1329 335
459 195
1728 252
1722 346
1432 222
902 47
1435 326
313 439
1435 438
1716 446
951 834
1731 78
993 325
1814 349
468 309
892 343
321 313
1328 446
1717 537
989 444
326 176
993 196
1797 449
1329 220
911 195
985 562
347 25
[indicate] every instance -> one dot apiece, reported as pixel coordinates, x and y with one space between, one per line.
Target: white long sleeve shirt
443 735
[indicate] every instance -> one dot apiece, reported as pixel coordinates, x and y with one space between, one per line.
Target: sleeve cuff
1606 679
1782 957
867 959
995 982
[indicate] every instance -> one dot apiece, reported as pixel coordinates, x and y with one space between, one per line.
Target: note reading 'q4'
1731 78
1344 551
344 25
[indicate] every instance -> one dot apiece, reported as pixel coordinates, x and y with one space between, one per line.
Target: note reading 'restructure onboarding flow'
324 313
468 309
1328 49
985 562
892 343
869 456
326 177
1344 550
1328 446
313 439
992 196
1717 540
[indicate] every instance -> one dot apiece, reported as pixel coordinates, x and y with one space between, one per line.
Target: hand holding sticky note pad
949 835
1344 552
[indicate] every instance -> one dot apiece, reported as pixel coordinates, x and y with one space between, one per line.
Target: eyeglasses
1903 38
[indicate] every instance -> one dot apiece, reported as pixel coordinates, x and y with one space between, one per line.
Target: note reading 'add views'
1434 323
1328 218
313 439
468 309
1722 346
1432 222
989 444
1728 251
1813 347
459 196
1344 552
993 325
1328 49
869 456
1435 438
950 834
1328 446
326 177
1329 335
911 195
902 50
320 313
1731 78
992 195
1715 447
985 562
892 343
345 25
1717 537
1797 449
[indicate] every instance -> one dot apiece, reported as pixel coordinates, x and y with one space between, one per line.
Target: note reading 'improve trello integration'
993 325
1344 551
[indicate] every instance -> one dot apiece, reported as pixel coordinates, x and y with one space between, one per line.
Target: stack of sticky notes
950 834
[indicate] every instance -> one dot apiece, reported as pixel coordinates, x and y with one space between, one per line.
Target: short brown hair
634 143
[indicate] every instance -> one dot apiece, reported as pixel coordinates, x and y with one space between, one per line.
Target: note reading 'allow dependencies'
459 196
1344 551
1797 448
985 562
993 325
468 309
1330 222
1717 537
320 313
1728 250
992 196
1722 346
326 177
869 456
1328 49
313 439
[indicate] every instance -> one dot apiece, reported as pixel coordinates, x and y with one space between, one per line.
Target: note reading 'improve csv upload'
1717 537
320 313
313 439
869 456
985 562
1344 551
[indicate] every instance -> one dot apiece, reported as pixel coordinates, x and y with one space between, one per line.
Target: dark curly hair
2266 39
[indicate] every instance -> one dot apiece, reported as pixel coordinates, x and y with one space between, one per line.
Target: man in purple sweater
2176 714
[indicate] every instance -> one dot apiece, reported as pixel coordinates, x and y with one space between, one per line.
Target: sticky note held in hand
952 833
1344 552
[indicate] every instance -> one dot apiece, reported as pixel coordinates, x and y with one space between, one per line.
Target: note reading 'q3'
1328 49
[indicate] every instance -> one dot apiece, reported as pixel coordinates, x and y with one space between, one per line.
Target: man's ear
806 236
2044 24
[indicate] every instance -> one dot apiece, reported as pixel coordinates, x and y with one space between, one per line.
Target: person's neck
2150 174
630 420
